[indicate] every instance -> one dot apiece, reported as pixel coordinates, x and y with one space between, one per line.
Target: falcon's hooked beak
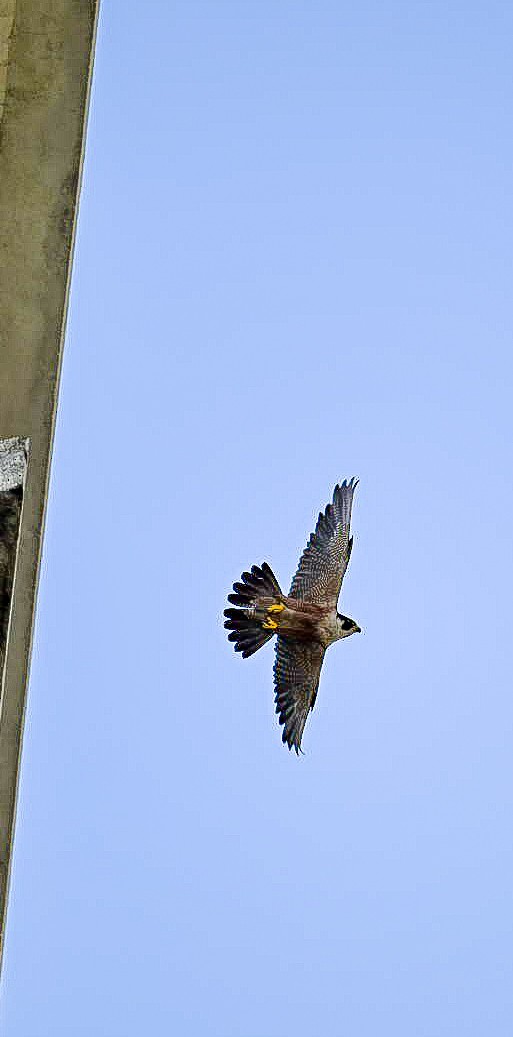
358 630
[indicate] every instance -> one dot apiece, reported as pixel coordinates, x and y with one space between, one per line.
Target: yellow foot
270 624
276 608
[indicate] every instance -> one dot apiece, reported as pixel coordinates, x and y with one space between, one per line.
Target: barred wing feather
297 670
324 561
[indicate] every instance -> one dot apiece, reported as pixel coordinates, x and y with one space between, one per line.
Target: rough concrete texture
13 462
41 144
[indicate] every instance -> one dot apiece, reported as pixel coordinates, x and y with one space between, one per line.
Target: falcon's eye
346 623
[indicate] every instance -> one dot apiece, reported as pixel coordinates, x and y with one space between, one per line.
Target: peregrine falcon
305 621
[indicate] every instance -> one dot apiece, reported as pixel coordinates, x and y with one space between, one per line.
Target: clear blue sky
293 265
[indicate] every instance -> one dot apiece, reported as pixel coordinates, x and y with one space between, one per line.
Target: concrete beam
46 52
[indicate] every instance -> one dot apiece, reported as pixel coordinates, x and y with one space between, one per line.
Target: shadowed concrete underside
46 49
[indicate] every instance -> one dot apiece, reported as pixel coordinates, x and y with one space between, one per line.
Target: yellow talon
270 624
276 608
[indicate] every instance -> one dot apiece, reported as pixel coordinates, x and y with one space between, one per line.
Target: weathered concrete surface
49 60
6 25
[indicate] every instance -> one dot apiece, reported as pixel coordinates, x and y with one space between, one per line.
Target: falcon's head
347 626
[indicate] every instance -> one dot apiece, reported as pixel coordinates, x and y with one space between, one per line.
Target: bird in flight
305 620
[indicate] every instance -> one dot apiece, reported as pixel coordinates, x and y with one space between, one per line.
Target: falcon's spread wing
296 678
324 561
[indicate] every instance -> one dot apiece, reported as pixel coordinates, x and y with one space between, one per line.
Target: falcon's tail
251 625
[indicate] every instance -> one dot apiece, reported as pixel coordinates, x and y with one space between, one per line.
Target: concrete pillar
46 51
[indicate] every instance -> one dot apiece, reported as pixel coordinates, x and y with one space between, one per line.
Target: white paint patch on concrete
13 462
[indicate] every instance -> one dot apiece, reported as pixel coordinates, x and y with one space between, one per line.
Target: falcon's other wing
324 561
297 670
